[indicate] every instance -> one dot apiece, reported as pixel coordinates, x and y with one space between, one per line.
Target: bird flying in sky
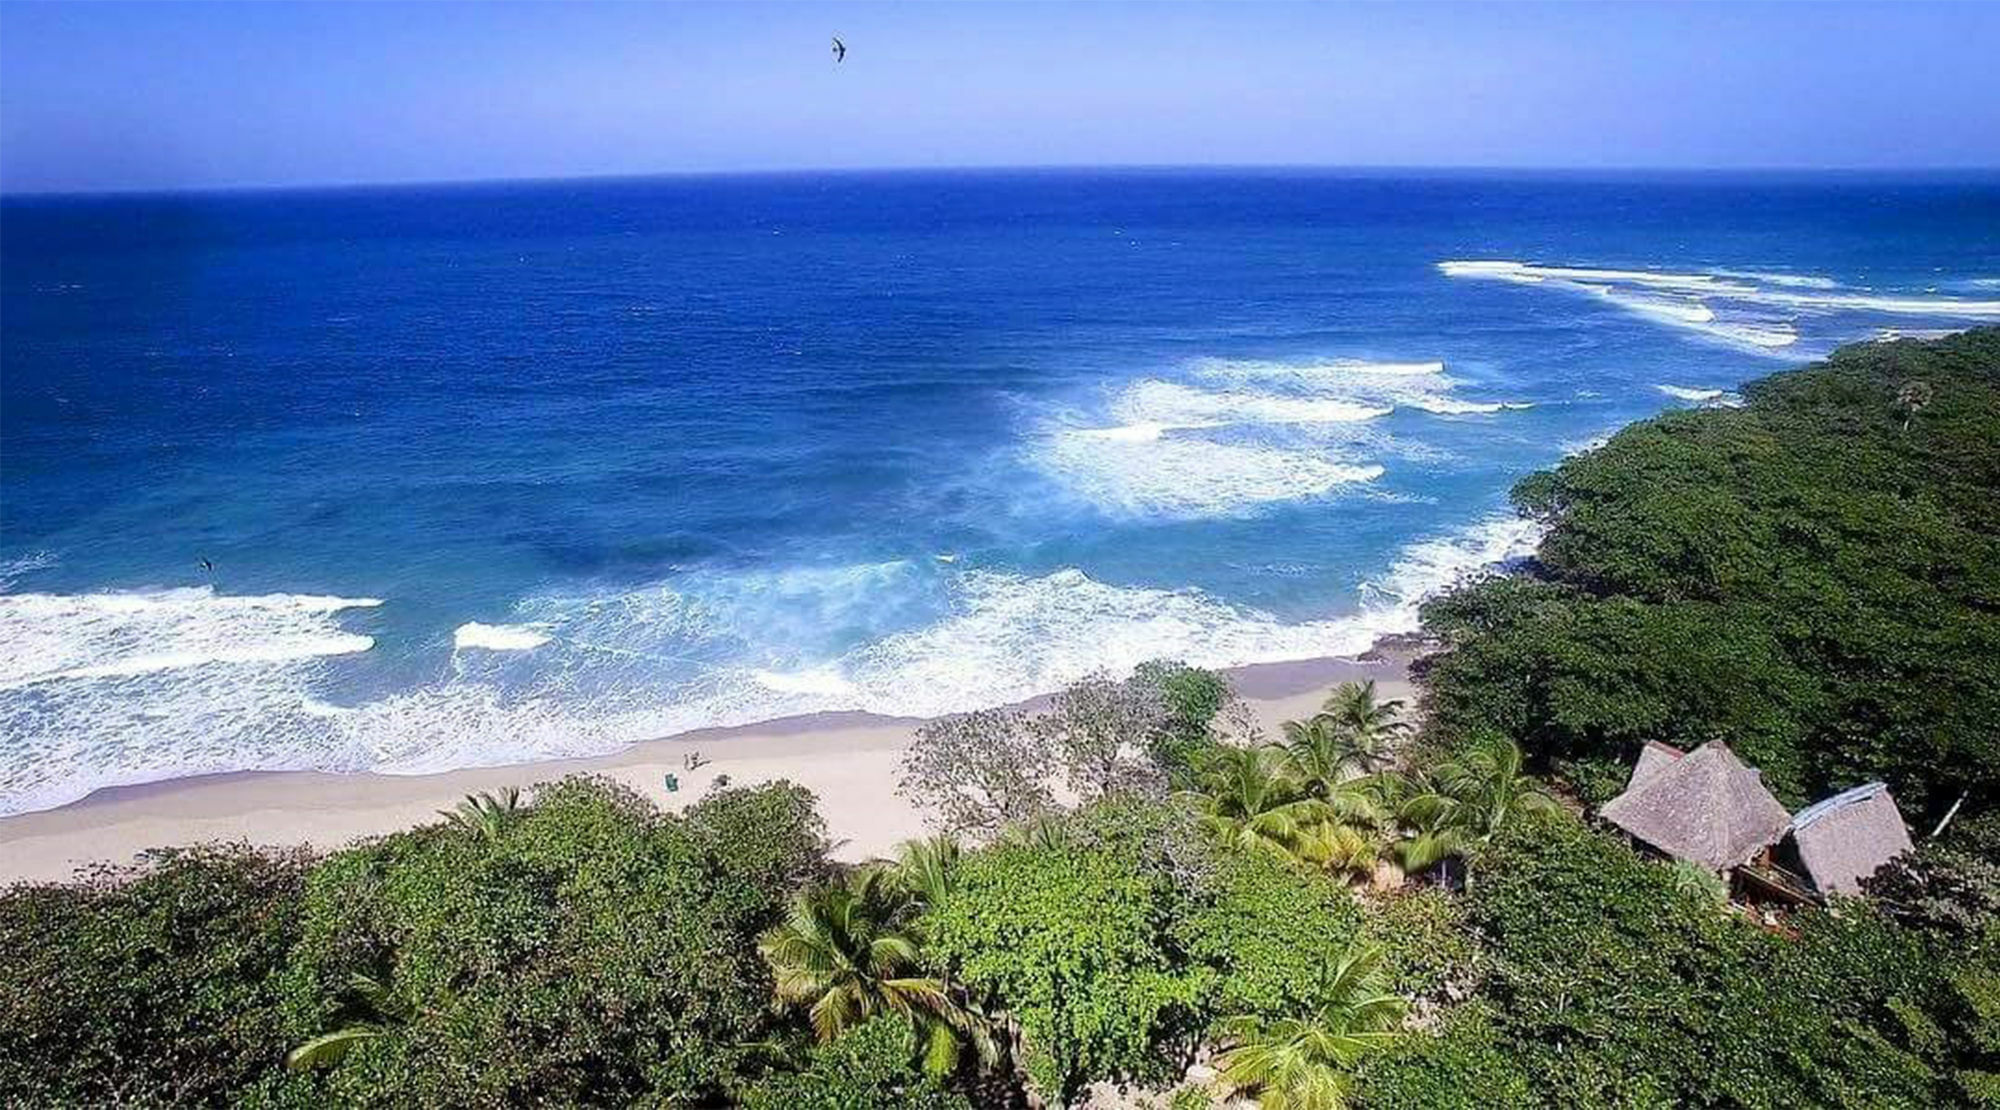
839 50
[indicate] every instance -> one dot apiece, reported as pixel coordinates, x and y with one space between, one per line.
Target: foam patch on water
1334 370
1385 385
1529 274
1769 277
498 637
1182 476
999 637
57 637
1748 309
13 570
1711 398
1451 406
1959 307
106 689
1891 334
1240 434
1686 393
1153 402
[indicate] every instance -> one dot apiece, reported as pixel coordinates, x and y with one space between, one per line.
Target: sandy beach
849 760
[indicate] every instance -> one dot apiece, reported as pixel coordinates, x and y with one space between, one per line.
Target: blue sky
170 95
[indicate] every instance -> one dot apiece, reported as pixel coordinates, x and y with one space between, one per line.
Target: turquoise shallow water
494 472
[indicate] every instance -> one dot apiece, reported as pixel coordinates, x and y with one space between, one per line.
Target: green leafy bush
593 951
1611 985
149 987
1070 932
1267 927
1461 1065
865 1068
1196 700
1430 953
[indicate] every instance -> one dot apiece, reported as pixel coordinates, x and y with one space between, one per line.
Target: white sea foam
1155 403
1894 305
56 637
1429 567
1176 476
1130 433
498 637
1770 335
1529 274
104 689
1684 301
1916 333
1687 393
620 667
1675 310
1383 386
822 681
1768 277
1431 402
1251 433
1330 371
1749 309
12 570
1002 637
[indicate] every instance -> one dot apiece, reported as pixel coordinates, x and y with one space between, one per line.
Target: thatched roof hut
1652 757
1848 837
1706 806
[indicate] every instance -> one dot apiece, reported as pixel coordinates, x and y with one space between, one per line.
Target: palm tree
1042 831
1320 750
1370 728
1491 790
486 814
923 869
1430 834
1339 849
846 953
1308 1062
1253 799
1466 801
383 1015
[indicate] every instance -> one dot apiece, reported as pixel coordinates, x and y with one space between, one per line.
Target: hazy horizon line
1356 168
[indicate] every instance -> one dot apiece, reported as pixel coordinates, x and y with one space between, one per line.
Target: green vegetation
1814 576
163 990
1307 1062
1141 890
850 951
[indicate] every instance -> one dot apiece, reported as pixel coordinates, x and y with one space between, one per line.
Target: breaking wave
1157 473
498 637
1754 310
1767 277
702 650
1685 393
56 637
1173 403
1239 434
107 689
12 570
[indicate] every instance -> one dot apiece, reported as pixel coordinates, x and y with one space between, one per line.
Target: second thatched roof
1707 806
1848 837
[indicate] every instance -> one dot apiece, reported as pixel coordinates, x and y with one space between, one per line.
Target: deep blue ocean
493 472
